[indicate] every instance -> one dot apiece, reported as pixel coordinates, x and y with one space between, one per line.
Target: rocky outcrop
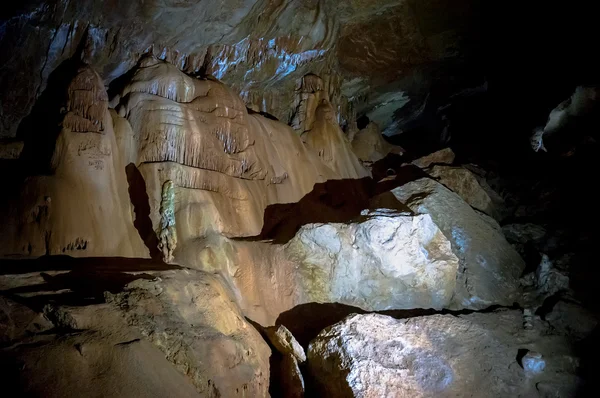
490 267
284 341
387 260
369 145
462 182
75 201
440 355
194 320
443 156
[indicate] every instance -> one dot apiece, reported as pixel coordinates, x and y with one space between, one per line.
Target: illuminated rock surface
178 176
435 356
490 266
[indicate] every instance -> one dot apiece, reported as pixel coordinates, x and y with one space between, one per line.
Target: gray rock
570 319
490 266
386 260
443 156
283 340
462 182
432 356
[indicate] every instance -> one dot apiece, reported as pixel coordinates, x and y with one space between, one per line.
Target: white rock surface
387 260
490 266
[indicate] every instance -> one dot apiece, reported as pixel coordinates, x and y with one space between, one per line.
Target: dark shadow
330 201
84 284
333 201
275 362
520 354
588 350
40 129
141 207
263 114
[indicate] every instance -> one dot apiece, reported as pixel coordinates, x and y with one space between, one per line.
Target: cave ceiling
380 58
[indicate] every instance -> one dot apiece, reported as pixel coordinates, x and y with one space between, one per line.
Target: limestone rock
443 156
292 382
285 342
370 146
10 150
523 233
17 321
387 260
327 140
432 356
572 320
73 199
462 182
193 319
549 280
89 363
490 266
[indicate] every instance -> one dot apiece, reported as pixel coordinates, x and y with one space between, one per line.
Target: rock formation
378 356
198 200
490 267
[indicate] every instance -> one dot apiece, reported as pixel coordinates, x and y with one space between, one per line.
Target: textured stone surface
443 156
369 145
285 342
434 356
387 260
490 266
462 182
292 381
193 319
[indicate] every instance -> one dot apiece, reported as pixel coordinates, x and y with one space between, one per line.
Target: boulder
386 260
464 184
90 364
490 266
432 356
568 318
194 320
18 321
283 340
443 156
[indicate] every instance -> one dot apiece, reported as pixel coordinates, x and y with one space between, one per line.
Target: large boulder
435 356
490 266
387 260
193 318
465 184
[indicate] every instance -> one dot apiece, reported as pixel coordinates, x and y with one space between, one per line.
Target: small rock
533 362
285 342
548 279
527 319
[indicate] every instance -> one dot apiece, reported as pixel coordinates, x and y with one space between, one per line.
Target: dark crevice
138 196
